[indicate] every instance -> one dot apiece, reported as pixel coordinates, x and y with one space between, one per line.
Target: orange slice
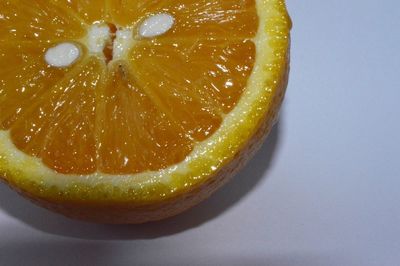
137 127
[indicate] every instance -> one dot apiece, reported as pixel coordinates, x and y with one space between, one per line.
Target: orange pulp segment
143 112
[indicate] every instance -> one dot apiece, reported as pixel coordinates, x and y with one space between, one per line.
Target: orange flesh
145 112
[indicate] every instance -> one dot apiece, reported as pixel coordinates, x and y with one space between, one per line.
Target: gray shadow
56 253
99 253
217 204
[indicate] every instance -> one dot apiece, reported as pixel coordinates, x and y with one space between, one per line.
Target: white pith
97 39
122 43
100 35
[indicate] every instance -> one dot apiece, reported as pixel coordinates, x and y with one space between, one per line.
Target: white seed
62 55
156 25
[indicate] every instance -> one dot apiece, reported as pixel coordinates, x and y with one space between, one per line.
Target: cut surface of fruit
142 112
160 97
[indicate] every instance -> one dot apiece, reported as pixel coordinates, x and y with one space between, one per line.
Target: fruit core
109 40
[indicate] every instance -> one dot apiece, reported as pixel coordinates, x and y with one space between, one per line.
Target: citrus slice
133 111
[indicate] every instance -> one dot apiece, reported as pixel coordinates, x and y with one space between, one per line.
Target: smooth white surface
156 25
62 55
324 189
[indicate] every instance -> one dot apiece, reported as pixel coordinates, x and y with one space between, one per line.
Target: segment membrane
134 134
59 126
24 76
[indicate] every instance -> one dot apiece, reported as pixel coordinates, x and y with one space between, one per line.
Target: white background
323 190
